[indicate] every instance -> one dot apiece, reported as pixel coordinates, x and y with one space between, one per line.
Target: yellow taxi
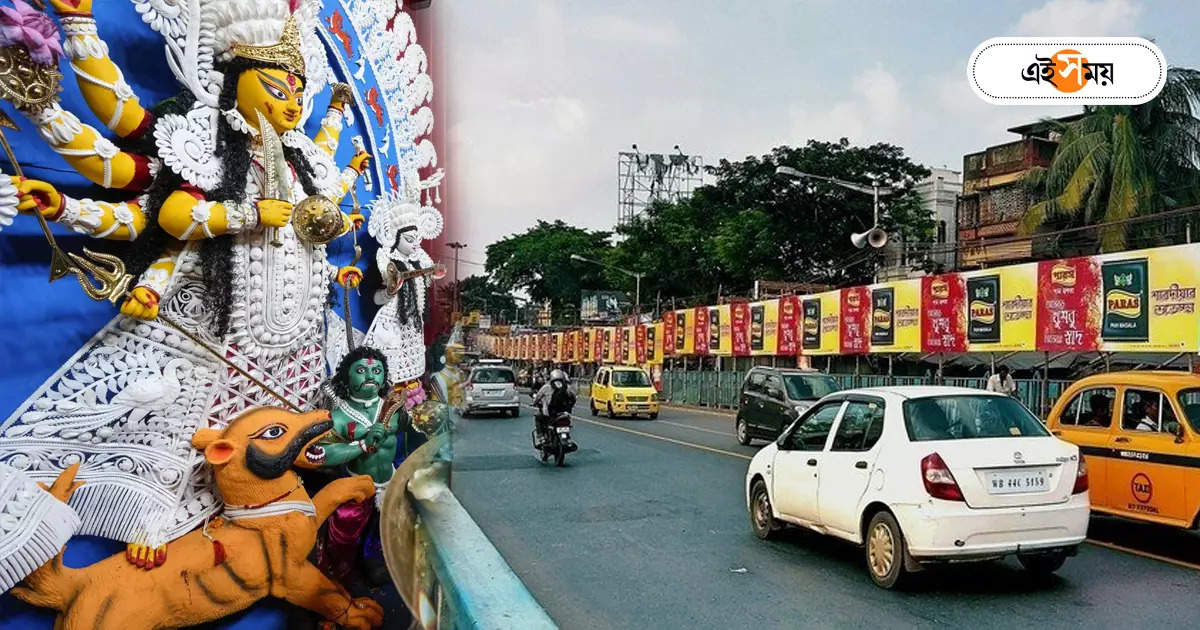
619 390
1140 434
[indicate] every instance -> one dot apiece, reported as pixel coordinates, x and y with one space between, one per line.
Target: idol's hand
375 435
34 194
349 276
71 6
142 303
360 162
274 213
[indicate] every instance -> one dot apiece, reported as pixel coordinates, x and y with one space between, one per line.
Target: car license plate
1016 481
493 393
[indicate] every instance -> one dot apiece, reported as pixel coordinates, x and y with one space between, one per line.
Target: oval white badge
1067 70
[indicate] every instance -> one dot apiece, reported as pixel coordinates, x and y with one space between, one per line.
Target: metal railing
721 389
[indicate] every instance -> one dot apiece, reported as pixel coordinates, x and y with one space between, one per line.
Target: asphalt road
652 532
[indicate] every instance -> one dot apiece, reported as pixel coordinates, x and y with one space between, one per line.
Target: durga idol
212 245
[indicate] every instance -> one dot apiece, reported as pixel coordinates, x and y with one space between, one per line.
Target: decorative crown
284 53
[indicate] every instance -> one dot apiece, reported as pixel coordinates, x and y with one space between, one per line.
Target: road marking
665 439
688 426
727 413
1144 554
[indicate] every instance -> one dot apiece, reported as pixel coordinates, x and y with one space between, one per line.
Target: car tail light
939 483
1081 477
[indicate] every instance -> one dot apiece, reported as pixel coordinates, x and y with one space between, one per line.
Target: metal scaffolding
644 178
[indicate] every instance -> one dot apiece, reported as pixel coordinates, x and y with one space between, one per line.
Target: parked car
772 398
491 387
620 390
921 475
1140 434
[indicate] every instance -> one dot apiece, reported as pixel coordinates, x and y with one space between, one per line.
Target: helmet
558 375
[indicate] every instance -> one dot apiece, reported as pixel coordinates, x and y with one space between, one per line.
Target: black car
771 398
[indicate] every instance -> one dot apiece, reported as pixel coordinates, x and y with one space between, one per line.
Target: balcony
1005 163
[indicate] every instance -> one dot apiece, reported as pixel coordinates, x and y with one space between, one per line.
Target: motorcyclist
553 398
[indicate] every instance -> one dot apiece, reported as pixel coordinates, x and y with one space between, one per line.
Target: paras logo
1062 275
939 289
983 312
1124 303
1067 70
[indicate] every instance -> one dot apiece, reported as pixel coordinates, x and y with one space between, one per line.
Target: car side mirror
1176 429
775 392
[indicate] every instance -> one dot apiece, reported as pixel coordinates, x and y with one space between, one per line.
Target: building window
941 232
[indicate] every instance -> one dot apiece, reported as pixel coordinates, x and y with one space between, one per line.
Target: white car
920 475
491 388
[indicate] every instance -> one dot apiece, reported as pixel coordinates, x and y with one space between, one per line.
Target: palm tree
1122 161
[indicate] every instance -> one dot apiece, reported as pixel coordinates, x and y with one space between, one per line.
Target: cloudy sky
541 95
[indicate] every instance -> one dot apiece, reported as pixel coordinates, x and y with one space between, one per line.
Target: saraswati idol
216 246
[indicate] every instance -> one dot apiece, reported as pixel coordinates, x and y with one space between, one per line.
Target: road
646 527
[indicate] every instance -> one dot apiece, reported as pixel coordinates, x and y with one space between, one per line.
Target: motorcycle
556 439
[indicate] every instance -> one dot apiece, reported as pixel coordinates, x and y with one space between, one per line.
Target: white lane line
724 413
688 426
1144 554
664 438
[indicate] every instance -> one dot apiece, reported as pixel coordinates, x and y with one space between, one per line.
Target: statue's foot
145 556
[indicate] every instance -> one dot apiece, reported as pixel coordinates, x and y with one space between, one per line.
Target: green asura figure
364 441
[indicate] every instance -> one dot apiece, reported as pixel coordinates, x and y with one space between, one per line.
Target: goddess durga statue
210 245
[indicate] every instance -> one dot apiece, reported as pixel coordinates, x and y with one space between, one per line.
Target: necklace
357 415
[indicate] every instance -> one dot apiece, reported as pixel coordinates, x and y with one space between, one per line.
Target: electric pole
456 246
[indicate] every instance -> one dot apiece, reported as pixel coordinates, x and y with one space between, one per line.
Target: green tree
751 224
478 292
1122 161
538 261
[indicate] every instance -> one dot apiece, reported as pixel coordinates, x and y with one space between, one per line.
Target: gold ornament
25 83
317 220
285 53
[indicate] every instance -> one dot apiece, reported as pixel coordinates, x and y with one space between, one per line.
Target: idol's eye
272 432
272 90
362 370
378 371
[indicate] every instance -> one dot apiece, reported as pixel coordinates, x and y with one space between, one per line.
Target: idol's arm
100 80
144 299
337 454
189 216
120 221
331 125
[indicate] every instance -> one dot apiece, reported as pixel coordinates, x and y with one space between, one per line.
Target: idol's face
366 378
278 94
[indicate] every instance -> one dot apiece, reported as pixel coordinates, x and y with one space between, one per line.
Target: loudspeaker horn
875 237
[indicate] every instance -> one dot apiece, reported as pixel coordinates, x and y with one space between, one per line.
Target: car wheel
611 414
1042 564
762 521
743 432
885 551
595 411
654 416
516 413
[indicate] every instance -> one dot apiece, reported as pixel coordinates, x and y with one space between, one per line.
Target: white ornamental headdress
199 35
396 210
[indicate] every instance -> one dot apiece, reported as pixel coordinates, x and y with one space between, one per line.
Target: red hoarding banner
700 335
1068 295
640 344
598 345
668 333
580 345
856 326
789 319
740 316
944 313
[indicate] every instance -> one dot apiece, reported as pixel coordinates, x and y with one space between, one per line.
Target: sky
541 95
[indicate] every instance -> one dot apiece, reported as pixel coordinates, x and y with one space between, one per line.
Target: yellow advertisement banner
1148 300
1001 308
685 332
764 327
654 345
629 345
720 330
821 322
896 316
610 345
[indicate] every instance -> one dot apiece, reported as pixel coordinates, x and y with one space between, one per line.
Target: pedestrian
1001 382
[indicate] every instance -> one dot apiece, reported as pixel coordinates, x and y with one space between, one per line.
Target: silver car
491 388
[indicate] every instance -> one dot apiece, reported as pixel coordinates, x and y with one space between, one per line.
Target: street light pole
873 190
456 246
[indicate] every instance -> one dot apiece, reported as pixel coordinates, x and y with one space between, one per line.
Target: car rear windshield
959 417
809 387
630 378
492 375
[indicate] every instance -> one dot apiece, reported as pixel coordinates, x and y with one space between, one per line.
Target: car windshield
809 386
1189 400
630 378
960 417
492 375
